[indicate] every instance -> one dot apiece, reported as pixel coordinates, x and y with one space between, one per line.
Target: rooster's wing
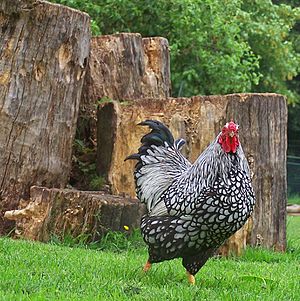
160 162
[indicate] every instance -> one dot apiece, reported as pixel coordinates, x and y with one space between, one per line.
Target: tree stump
156 82
63 212
123 66
293 209
263 125
43 58
126 66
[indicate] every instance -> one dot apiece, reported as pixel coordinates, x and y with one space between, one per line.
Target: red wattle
229 144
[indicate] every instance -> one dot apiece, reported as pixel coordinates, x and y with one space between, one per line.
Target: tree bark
43 58
122 66
293 209
265 119
63 212
126 66
156 82
263 125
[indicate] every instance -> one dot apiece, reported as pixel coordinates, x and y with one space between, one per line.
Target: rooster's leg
190 277
147 266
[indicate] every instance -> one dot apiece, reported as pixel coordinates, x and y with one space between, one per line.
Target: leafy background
216 46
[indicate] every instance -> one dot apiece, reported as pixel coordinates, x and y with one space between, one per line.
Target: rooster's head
229 138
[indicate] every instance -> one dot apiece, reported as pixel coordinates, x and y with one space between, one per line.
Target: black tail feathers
158 136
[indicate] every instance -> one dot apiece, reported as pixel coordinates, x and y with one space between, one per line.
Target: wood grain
43 57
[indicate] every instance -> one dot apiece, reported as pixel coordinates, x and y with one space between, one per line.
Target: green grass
36 271
294 199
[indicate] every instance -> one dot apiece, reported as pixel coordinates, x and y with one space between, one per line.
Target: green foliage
119 241
113 241
102 100
80 147
68 240
84 174
268 30
217 47
97 182
209 55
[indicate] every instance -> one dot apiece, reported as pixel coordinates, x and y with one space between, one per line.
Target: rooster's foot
147 266
191 278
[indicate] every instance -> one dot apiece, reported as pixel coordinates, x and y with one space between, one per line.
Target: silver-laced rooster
191 208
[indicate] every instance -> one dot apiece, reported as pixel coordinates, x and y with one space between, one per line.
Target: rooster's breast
211 214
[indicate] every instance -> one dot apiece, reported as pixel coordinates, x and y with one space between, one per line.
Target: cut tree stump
156 82
263 127
63 212
126 66
122 66
293 209
43 57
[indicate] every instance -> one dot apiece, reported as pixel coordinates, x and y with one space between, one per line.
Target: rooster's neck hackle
215 162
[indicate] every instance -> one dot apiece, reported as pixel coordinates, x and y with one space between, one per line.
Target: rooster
191 208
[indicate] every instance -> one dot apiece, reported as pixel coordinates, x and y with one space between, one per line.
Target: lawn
294 199
112 271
